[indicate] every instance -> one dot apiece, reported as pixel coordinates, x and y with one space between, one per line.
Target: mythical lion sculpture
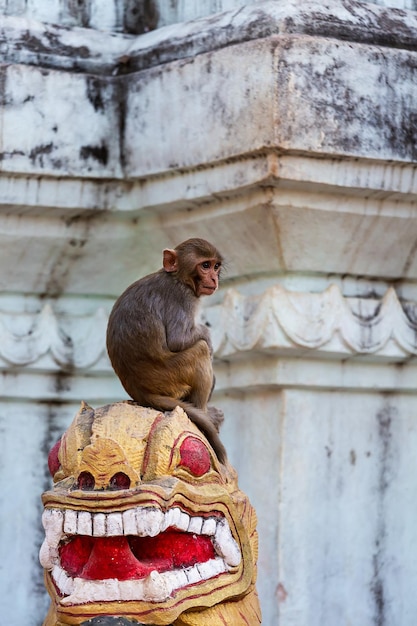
145 526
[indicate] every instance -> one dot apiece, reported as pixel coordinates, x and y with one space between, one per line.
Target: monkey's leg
201 371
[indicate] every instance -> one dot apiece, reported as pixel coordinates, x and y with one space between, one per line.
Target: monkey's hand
216 415
204 333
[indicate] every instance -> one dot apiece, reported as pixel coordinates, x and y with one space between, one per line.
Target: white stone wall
285 133
136 16
185 10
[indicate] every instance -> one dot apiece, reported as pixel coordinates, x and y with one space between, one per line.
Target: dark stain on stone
99 153
49 52
64 50
140 17
81 11
60 271
94 93
384 419
120 96
377 589
3 89
12 153
36 154
77 243
62 381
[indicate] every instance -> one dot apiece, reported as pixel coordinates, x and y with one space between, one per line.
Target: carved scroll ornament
276 319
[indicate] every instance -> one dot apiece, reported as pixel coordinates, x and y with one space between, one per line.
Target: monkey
162 357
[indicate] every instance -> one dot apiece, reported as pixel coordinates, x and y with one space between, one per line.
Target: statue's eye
119 481
195 456
86 481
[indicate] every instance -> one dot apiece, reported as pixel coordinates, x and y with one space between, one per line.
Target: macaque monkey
162 357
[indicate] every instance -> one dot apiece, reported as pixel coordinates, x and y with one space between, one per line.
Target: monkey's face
207 277
143 522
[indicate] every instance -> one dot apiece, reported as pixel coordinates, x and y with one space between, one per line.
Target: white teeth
129 522
195 525
209 527
148 521
183 521
92 591
70 522
114 524
193 575
48 555
156 587
99 525
211 568
225 545
130 589
85 524
64 582
171 518
53 520
176 579
144 522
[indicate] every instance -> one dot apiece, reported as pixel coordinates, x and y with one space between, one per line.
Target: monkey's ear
170 260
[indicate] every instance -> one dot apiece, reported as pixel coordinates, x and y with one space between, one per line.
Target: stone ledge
274 373
363 180
79 49
276 233
254 373
123 128
112 122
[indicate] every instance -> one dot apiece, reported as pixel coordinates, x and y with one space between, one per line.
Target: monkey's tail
197 416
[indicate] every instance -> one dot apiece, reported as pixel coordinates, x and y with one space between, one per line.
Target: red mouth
131 557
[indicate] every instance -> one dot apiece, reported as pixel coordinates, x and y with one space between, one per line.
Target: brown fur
162 357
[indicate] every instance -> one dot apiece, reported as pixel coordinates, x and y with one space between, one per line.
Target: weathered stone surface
55 122
181 10
339 466
128 15
284 133
271 58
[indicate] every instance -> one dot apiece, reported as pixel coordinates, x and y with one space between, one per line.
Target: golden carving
143 522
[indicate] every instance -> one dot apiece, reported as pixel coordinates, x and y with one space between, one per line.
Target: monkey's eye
194 456
217 266
206 265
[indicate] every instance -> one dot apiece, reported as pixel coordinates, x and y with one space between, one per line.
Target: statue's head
143 523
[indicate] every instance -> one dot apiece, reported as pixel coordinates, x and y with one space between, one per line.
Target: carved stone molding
313 322
25 339
278 319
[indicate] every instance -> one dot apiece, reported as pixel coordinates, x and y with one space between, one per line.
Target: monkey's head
196 263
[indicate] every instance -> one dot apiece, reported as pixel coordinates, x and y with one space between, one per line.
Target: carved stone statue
145 526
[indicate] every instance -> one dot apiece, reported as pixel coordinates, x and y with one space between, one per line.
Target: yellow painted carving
173 487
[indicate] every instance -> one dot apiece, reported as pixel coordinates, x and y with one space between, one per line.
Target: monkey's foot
216 415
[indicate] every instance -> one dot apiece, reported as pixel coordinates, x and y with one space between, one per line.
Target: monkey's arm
178 318
180 335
